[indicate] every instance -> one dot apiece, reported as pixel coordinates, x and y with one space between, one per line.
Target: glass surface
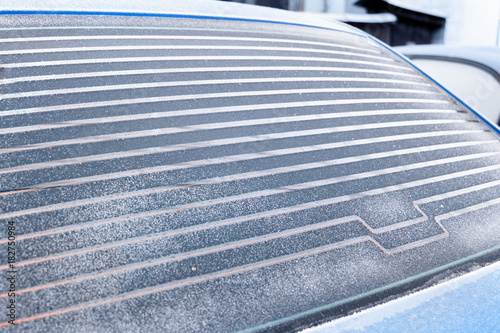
210 175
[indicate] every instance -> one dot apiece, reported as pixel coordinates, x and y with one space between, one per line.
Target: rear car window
215 175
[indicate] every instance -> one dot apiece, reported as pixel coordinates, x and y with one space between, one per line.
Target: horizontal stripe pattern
182 38
193 169
196 58
225 69
209 82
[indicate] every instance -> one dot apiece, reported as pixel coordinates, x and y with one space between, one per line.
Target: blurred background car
471 73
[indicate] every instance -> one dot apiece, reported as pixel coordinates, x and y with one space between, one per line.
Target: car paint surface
468 303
